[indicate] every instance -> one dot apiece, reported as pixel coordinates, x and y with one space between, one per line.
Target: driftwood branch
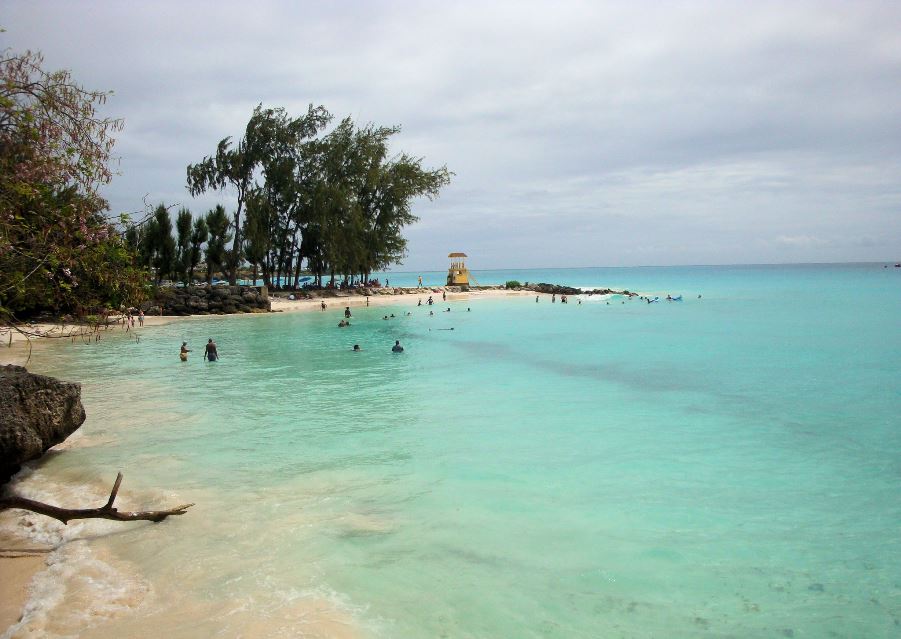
106 511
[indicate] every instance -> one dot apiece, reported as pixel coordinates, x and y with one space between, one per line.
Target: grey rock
36 413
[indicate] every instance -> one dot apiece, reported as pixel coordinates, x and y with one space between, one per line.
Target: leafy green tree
235 166
163 244
218 224
183 244
199 235
58 251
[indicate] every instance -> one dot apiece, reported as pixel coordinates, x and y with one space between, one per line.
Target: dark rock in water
36 413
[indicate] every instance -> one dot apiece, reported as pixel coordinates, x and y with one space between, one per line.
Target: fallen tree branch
106 511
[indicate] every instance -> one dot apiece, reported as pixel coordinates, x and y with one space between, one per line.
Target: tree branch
106 511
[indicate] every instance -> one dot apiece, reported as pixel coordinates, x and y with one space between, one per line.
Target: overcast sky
580 133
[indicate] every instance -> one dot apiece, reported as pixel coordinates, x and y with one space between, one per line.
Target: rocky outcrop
550 289
215 300
36 412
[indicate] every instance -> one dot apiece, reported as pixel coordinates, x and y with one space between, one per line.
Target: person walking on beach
397 348
183 355
210 353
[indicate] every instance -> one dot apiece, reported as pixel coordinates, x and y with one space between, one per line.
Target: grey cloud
580 133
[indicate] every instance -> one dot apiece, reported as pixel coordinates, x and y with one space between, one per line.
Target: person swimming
397 348
356 348
343 323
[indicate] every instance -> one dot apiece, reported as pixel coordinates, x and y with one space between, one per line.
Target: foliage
217 223
57 250
268 133
512 284
339 202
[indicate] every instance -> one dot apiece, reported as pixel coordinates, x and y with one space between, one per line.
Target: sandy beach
20 558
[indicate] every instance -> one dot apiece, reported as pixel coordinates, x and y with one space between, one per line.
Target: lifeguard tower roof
456 254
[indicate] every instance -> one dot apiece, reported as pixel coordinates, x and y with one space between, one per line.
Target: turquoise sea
724 466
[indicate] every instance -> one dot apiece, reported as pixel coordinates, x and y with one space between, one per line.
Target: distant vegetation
512 284
333 202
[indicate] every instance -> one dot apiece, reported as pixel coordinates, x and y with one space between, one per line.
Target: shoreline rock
38 413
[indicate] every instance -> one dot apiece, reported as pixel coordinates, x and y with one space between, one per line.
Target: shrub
512 284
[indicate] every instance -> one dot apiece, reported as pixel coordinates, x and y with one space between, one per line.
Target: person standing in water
397 348
183 355
210 353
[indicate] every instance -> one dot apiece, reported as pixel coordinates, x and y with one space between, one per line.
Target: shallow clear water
727 466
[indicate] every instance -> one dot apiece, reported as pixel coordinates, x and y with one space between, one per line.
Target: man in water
322 305
347 311
397 348
210 353
357 348
183 355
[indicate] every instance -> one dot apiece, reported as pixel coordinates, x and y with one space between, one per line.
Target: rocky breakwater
556 289
210 300
36 413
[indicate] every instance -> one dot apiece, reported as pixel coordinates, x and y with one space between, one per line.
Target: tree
163 244
57 250
236 166
218 225
183 244
199 235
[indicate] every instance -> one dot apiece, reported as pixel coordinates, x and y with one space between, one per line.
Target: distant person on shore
141 318
183 355
367 300
419 303
357 348
420 281
347 312
209 352
322 305
443 296
397 348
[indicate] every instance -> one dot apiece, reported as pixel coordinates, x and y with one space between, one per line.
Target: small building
457 274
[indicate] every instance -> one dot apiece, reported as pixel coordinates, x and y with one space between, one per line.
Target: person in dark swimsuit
210 353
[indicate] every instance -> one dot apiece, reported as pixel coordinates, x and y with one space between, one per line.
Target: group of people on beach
210 352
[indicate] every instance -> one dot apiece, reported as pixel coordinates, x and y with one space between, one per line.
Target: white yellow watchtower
457 274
